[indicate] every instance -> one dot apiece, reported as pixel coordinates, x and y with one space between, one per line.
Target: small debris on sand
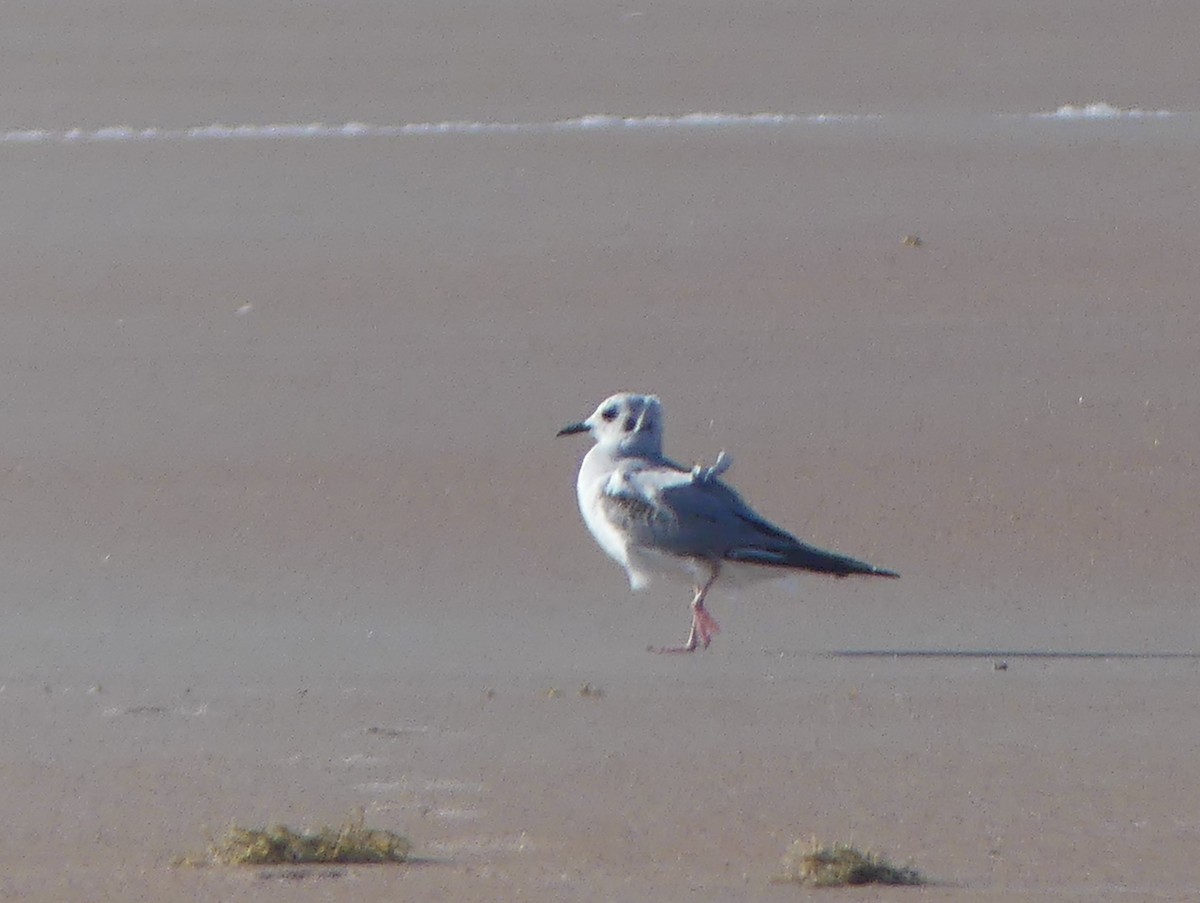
839 865
353 842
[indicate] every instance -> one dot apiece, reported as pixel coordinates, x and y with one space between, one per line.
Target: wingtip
884 572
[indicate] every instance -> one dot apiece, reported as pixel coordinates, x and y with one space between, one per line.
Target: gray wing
670 511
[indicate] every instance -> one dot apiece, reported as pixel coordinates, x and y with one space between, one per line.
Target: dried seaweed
841 864
353 842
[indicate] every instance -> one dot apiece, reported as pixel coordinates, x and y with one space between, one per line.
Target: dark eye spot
609 414
630 423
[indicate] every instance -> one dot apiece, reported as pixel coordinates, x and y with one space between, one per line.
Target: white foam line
1102 111
597 122
279 131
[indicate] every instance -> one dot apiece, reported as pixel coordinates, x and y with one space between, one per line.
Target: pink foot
705 625
704 628
671 650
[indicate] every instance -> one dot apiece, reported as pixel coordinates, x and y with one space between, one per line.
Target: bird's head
626 423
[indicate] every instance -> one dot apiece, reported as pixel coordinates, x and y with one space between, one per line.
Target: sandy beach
287 534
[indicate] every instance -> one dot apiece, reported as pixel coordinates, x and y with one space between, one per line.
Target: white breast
596 476
593 478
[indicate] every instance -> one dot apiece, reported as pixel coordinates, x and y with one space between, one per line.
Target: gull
656 518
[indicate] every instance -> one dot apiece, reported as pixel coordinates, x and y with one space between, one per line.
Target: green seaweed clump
353 842
841 864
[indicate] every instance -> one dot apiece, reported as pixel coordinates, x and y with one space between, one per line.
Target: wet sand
286 530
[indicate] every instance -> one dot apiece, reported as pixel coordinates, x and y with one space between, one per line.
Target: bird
657 518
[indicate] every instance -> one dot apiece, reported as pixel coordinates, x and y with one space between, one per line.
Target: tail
808 558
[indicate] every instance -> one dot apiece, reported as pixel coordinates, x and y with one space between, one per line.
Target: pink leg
704 625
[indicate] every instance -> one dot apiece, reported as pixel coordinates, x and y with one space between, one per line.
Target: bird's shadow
1054 654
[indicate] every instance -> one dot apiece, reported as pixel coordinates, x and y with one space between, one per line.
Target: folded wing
671 511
